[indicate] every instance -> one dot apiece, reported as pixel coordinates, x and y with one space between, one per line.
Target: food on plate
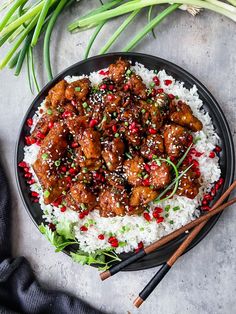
121 157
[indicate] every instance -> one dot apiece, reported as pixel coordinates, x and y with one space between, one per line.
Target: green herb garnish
77 89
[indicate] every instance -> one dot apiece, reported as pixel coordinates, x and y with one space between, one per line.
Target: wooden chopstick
166 266
155 245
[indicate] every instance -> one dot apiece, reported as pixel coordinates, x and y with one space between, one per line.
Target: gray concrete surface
204 280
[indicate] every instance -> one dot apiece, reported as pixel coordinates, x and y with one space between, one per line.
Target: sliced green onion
78 89
44 156
49 111
46 193
57 163
128 155
84 104
84 170
117 135
176 208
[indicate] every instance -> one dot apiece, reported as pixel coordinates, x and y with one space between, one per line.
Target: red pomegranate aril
126 87
147 168
159 220
110 97
172 158
156 80
35 194
40 135
221 181
63 169
155 214
103 86
111 87
50 124
147 216
167 82
140 245
197 172
101 72
114 128
66 114
74 145
29 122
198 154
26 169
32 181
134 130
205 202
190 138
131 208
158 209
86 212
83 228
146 182
81 215
28 140
68 179
217 186
22 164
101 237
111 239
63 209
195 163
205 208
160 90
152 131
38 142
35 200
72 171
93 123
28 175
218 149
212 154
207 197
114 243
171 96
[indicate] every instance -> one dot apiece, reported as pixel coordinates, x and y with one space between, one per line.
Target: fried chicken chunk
183 115
81 194
159 175
78 90
188 184
56 95
152 145
151 115
117 70
86 163
142 195
133 169
90 143
113 153
175 140
45 122
137 86
113 202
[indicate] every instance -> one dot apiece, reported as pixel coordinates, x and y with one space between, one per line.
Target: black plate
227 156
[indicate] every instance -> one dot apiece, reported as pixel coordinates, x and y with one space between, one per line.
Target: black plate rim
228 136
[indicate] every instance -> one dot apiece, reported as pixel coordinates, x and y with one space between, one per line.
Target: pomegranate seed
171 96
35 200
131 208
146 182
86 212
115 243
28 175
126 87
50 124
159 220
22 164
160 90
172 158
110 97
102 72
81 215
205 208
28 140
35 194
204 202
147 216
83 228
40 135
190 138
207 197
156 80
29 122
111 239
158 210
212 154
140 245
167 82
68 179
101 237
114 128
147 167
155 214
111 87
52 226
38 142
63 169
221 181
63 209
66 114
213 191
103 86
32 181
26 169
217 186
195 163
72 171
57 202
93 123
218 149
152 131
134 130
197 173
74 145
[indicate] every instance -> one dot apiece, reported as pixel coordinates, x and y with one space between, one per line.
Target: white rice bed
134 229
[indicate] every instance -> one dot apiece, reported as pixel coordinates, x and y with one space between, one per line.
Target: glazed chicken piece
162 102
113 153
182 114
117 70
76 126
159 175
152 145
78 90
188 184
175 140
82 197
45 122
113 202
83 162
52 149
56 95
112 103
90 143
133 169
137 86
115 179
151 116
142 195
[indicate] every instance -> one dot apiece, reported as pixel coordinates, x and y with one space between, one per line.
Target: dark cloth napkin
20 292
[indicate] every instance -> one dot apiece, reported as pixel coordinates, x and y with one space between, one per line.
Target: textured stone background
203 281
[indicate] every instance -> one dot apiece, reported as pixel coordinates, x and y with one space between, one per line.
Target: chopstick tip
138 301
104 275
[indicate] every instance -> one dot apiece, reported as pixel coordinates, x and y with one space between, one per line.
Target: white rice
134 229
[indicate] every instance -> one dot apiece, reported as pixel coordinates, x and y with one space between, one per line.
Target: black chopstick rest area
118 267
154 282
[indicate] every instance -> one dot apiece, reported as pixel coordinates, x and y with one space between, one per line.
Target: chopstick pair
197 224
